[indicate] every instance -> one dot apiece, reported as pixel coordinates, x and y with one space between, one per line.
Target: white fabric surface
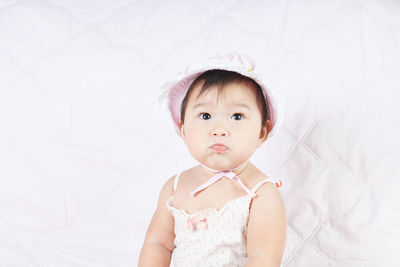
85 145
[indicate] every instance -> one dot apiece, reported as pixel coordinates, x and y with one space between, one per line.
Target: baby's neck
237 170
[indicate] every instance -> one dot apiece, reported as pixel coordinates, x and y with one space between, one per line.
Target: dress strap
176 180
255 188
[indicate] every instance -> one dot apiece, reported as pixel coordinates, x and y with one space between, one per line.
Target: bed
86 142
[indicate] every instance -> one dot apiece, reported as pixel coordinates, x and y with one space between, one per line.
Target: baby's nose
220 131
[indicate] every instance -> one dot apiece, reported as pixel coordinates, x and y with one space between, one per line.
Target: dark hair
222 78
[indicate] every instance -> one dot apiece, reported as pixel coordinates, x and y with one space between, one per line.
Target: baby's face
232 120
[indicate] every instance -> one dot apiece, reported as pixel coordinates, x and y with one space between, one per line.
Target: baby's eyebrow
233 104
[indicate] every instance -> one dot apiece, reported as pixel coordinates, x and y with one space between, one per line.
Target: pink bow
197 222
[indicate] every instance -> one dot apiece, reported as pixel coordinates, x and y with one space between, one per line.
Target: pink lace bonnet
177 89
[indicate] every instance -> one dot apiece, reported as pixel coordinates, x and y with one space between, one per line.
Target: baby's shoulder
180 178
186 177
265 188
167 189
257 177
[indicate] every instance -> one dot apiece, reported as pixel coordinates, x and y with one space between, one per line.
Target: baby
224 211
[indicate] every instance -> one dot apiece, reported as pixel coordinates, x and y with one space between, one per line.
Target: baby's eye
205 116
237 116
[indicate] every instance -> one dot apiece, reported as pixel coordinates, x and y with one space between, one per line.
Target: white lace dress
212 237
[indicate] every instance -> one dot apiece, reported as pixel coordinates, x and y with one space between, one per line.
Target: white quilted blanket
85 144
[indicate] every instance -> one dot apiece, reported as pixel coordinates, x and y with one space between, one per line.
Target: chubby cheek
247 140
195 142
244 149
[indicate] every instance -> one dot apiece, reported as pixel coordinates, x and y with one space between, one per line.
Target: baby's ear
264 133
181 130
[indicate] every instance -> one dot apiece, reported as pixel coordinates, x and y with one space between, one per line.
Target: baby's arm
159 241
266 234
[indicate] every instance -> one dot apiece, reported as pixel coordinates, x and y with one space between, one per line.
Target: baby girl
224 211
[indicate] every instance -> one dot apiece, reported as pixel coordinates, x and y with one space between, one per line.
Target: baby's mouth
219 148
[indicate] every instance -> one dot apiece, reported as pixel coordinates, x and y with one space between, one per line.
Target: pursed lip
219 147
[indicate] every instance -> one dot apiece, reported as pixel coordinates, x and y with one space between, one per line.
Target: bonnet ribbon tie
228 174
